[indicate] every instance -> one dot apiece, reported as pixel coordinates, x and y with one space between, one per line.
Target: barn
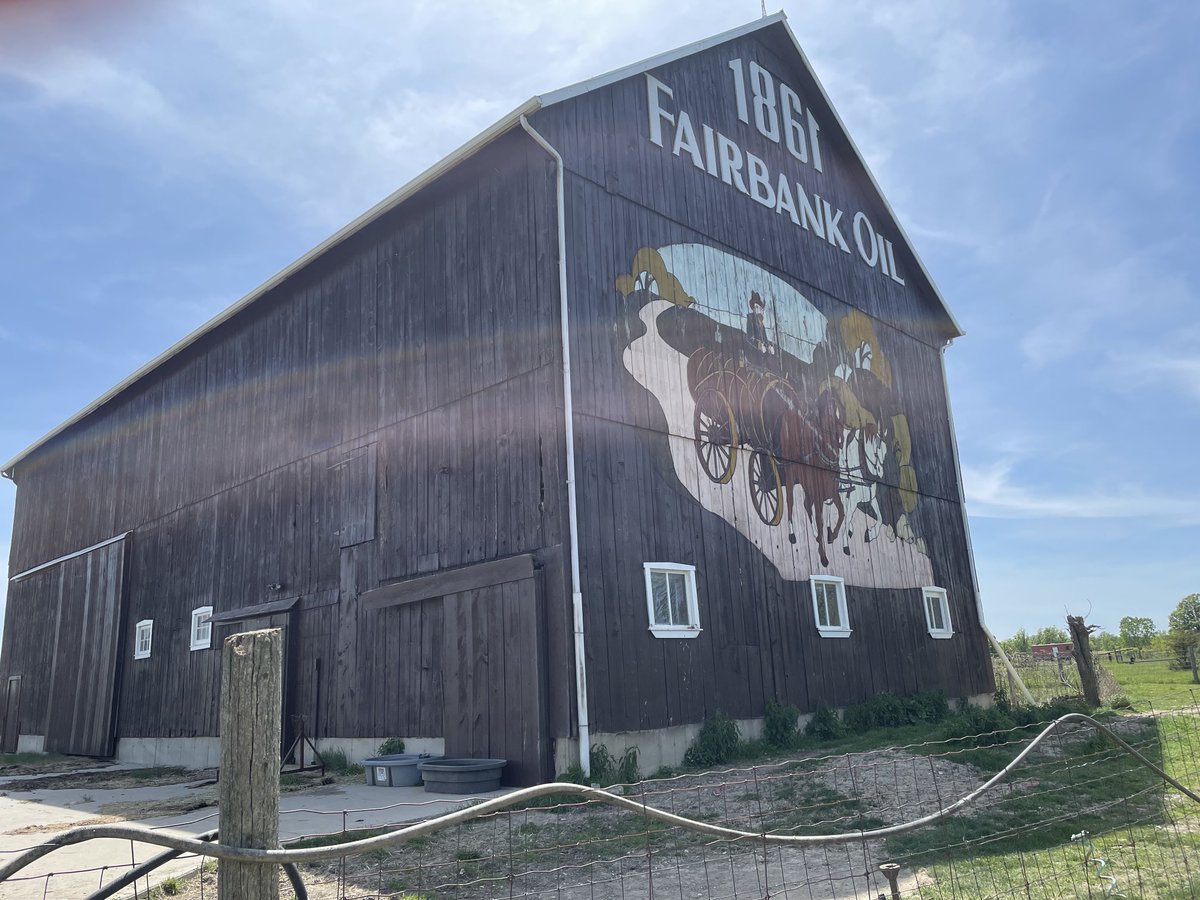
630 411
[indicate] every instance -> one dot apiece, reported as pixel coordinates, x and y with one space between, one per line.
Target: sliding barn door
492 679
85 662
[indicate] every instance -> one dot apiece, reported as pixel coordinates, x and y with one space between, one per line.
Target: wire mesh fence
1078 817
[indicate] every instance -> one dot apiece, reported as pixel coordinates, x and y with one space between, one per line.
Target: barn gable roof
446 164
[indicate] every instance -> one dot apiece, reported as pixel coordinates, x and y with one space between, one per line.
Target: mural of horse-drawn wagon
789 438
778 398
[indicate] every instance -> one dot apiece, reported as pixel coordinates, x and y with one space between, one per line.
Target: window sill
141 656
668 631
834 632
200 646
941 635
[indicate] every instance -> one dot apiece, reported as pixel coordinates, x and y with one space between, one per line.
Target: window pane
679 611
662 601
936 620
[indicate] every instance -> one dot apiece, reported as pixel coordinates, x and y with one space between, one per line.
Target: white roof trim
435 171
66 556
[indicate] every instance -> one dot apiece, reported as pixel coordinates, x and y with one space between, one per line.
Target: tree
1106 640
1186 617
1018 643
1137 631
1049 635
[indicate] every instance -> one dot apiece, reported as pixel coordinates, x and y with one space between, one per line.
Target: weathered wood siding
759 640
392 409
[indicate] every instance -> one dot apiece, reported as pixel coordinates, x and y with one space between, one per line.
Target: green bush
926 706
608 769
716 743
390 747
337 762
779 728
825 725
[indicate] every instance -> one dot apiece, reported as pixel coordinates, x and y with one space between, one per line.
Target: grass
1152 685
1028 843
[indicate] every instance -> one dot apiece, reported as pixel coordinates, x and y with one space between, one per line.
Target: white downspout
581 703
962 506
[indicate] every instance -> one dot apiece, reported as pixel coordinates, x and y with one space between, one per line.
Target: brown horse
810 442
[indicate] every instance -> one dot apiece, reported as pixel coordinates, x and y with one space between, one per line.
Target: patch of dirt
115 780
127 810
42 765
48 827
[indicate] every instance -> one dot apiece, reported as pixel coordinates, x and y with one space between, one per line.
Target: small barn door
83 678
290 632
493 685
12 710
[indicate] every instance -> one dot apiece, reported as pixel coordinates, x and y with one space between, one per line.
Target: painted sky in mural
781 422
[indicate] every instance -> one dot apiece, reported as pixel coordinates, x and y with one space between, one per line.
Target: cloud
993 492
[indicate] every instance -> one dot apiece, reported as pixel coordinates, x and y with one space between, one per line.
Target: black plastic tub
461 776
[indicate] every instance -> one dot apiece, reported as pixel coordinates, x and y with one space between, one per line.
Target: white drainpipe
581 703
962 506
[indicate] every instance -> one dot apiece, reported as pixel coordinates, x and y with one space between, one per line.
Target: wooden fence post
251 700
1192 663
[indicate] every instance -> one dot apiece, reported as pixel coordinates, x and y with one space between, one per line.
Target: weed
171 886
468 855
825 725
390 747
716 743
337 762
779 727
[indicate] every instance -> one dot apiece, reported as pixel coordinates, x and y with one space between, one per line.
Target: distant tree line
1133 632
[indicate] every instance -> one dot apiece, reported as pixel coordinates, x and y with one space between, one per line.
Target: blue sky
160 160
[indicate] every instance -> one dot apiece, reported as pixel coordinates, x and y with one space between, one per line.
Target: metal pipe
187 842
581 702
962 507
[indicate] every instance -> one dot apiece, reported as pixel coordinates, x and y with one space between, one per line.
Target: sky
159 160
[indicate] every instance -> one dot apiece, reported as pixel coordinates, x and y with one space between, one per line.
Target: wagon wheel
766 487
716 436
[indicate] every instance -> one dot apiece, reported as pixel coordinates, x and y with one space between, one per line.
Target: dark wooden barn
630 411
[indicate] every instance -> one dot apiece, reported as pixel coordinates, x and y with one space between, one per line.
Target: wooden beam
253 612
453 581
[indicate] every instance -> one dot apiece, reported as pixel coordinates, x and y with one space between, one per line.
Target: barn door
12 709
290 632
492 679
81 703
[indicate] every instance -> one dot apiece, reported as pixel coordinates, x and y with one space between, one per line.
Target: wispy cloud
994 491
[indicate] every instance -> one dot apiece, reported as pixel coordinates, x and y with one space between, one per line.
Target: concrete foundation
665 746
186 753
31 743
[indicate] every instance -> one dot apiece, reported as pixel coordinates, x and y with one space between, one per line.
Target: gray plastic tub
461 776
396 770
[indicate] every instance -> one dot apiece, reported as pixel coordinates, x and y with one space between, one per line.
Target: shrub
779 728
608 769
716 743
337 762
390 747
825 725
927 706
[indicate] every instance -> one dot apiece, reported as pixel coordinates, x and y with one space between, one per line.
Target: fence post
251 700
1192 662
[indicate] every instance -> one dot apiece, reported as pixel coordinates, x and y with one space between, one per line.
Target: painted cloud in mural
784 424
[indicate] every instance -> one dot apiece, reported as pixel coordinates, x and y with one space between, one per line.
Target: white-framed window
143 638
671 600
937 612
202 628
829 606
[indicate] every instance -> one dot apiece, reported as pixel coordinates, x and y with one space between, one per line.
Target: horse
810 443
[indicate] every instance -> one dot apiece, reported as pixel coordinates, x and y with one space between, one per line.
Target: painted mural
785 424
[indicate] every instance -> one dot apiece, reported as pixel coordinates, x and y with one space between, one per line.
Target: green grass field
1024 845
1152 685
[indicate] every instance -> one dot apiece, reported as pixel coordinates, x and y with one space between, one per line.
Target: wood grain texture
251 699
